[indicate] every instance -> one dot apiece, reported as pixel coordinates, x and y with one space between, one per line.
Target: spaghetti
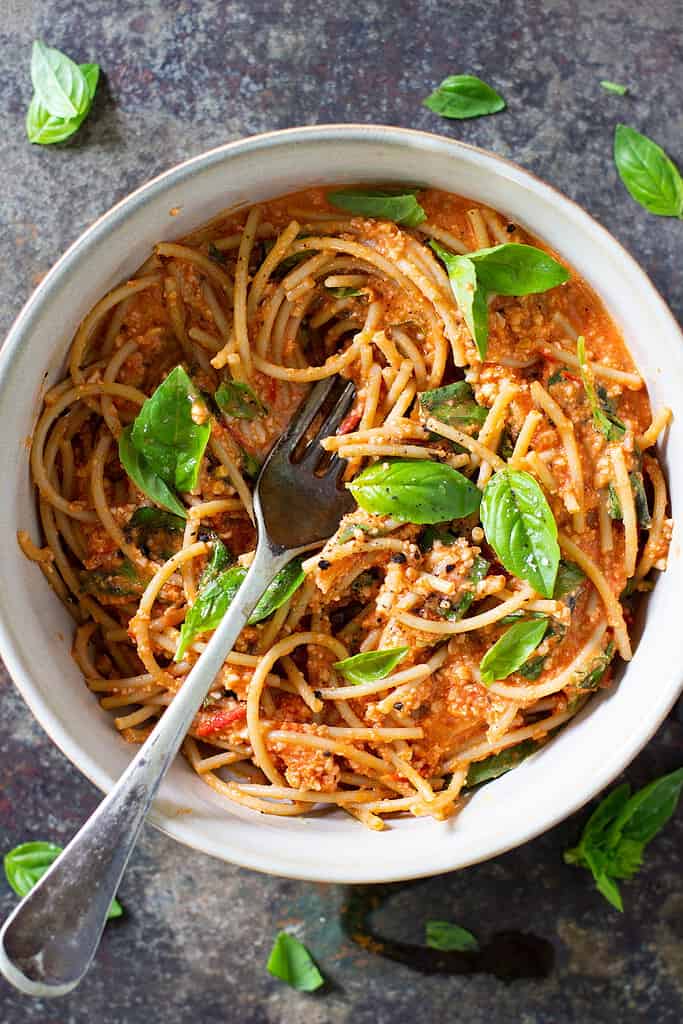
256 306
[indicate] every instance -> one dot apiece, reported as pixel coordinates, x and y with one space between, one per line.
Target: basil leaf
640 498
239 401
214 599
515 269
351 532
512 649
477 573
453 403
597 670
450 938
613 503
220 559
648 810
495 765
149 519
58 82
415 491
291 962
26 864
652 179
399 205
143 476
370 666
461 96
164 431
251 467
289 262
533 668
431 534
521 529
471 300
344 292
43 128
601 407
568 578
120 582
614 87
556 378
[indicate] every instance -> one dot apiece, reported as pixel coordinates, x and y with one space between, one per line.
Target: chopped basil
291 962
350 532
148 519
370 666
616 834
533 668
569 578
431 534
397 204
26 864
454 611
614 87
463 96
556 378
613 503
237 400
289 262
652 179
498 764
344 292
453 403
521 529
640 499
415 491
450 938
601 405
512 650
599 666
507 269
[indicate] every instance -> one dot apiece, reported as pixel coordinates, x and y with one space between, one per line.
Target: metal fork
48 943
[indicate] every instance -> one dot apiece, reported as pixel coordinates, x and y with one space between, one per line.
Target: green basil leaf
515 269
450 938
470 298
569 578
453 403
512 649
219 560
533 668
462 96
344 292
652 179
120 582
495 765
216 255
648 810
239 401
431 534
627 859
143 476
251 467
291 962
640 498
26 864
613 503
601 407
214 599
608 887
164 431
614 87
43 128
477 573
58 82
399 204
415 491
521 529
597 827
149 519
599 666
289 262
370 666
556 378
350 532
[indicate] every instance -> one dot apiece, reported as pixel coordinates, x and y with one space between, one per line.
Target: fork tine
301 421
337 413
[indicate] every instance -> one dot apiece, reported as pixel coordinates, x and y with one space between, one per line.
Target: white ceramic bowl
35 631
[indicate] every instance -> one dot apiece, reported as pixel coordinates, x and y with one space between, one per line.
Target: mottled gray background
180 77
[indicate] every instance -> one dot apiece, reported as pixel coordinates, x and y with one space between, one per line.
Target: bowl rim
92 236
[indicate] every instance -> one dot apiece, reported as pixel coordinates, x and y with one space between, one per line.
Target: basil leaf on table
651 178
507 269
616 834
512 650
614 87
495 765
217 594
602 408
44 128
26 864
143 476
399 204
462 96
291 962
415 491
450 938
453 403
370 666
239 401
568 578
521 529
58 82
164 431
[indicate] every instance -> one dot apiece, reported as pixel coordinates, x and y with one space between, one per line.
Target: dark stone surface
181 77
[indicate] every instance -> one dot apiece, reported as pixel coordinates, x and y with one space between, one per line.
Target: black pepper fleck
510 228
398 706
450 567
399 558
318 694
324 564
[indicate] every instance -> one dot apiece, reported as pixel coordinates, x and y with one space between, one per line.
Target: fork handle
47 944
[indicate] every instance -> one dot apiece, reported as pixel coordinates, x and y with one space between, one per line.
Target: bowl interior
36 632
